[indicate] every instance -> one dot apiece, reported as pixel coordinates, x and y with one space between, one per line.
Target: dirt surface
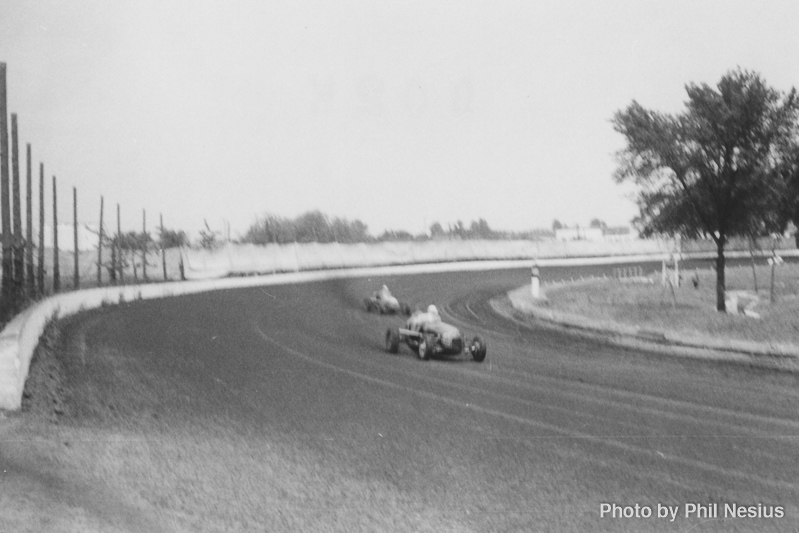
277 409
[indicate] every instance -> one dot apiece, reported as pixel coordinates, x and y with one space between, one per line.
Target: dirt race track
278 409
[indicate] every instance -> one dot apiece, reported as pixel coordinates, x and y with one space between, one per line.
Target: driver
383 293
419 318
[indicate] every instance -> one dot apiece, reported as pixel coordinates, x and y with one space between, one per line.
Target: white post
535 283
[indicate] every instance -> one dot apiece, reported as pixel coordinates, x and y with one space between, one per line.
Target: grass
692 310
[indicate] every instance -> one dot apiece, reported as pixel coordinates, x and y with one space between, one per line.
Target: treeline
315 226
480 229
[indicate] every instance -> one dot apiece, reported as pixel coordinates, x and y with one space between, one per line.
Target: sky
396 113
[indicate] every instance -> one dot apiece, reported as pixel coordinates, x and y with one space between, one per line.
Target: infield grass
688 309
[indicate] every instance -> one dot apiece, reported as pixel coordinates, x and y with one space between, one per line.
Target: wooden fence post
18 253
56 266
76 274
41 230
163 252
113 270
29 228
5 199
119 244
100 248
144 244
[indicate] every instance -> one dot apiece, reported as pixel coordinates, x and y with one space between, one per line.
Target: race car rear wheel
406 309
392 340
478 349
425 348
368 304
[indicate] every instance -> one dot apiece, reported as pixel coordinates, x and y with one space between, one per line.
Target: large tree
789 172
712 170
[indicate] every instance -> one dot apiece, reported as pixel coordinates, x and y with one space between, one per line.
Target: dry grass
692 310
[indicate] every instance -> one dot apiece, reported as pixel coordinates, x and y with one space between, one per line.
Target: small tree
270 229
128 246
145 243
481 230
436 230
170 238
209 239
395 235
313 227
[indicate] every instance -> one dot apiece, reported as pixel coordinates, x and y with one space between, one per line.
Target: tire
368 304
406 309
425 347
478 349
392 340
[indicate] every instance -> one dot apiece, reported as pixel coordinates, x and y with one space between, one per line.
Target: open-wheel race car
427 335
384 302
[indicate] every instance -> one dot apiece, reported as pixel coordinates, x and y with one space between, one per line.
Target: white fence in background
248 259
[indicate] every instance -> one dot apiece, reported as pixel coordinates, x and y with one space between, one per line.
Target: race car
383 302
427 335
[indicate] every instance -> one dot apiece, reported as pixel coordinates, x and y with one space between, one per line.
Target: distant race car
427 335
384 303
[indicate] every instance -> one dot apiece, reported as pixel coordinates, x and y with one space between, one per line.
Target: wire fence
46 256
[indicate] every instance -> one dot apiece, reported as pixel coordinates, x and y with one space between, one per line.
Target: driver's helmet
433 312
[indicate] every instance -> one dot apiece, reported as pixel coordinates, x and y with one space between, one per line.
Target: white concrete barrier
245 259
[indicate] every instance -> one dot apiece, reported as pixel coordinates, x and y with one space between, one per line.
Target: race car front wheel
425 348
478 349
392 340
